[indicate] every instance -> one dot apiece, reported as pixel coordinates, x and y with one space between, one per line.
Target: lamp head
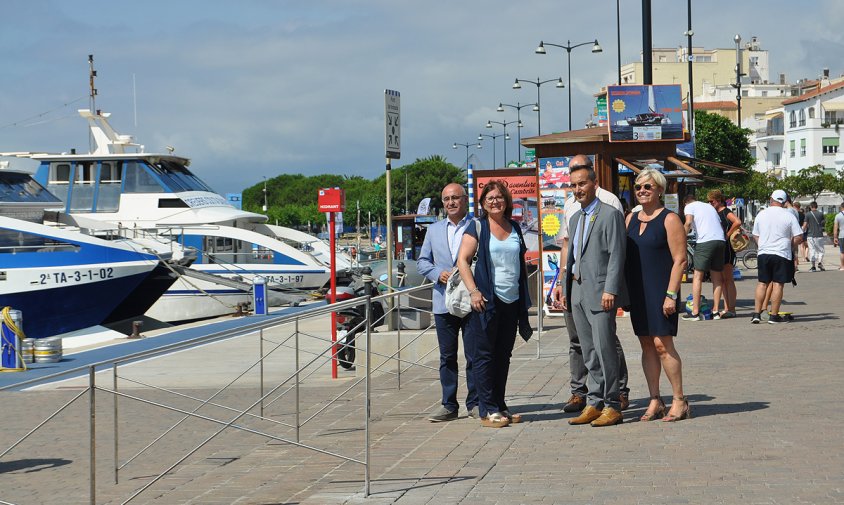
535 108
560 83
737 39
689 33
541 48
454 146
520 125
480 137
517 85
500 107
480 146
507 137
488 124
597 47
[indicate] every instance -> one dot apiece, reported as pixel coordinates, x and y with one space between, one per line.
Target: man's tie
580 233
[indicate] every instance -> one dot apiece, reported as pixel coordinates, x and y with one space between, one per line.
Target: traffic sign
392 124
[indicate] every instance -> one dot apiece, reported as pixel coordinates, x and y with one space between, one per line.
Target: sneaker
755 318
693 317
728 314
775 319
716 316
475 412
442 414
821 268
813 269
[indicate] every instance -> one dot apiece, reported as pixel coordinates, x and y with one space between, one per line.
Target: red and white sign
331 200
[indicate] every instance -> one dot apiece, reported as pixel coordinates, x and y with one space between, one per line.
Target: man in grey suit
595 288
436 261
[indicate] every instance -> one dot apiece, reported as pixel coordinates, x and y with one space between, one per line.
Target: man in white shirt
709 248
776 230
577 366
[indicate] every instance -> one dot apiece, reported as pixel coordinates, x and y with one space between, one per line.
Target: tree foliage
291 198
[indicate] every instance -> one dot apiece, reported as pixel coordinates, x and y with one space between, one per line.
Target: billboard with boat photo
645 113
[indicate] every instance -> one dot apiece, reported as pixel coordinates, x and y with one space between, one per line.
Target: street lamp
596 48
470 184
688 33
739 73
493 137
506 137
265 194
538 83
518 108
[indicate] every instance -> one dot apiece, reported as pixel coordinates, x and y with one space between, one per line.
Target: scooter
350 321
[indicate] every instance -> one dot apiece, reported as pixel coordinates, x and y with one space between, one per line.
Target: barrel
48 350
28 350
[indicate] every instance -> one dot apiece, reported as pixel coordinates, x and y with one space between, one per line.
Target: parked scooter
350 321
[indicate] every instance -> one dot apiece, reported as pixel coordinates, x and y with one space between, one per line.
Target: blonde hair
716 195
654 175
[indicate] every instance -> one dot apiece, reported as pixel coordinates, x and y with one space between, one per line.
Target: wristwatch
671 294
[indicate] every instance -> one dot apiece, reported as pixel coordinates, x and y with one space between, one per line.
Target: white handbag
458 300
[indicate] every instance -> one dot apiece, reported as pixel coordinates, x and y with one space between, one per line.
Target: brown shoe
575 404
609 417
588 415
625 402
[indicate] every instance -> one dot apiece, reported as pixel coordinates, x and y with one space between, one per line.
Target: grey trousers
596 330
577 367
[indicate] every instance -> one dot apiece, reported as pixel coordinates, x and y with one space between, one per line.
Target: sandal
513 418
659 412
494 420
686 414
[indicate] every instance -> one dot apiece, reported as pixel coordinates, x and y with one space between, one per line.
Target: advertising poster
554 172
645 113
523 186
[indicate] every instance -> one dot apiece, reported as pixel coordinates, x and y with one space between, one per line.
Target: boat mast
93 97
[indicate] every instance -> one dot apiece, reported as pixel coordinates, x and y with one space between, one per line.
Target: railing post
367 394
540 312
398 340
92 433
116 434
261 369
297 378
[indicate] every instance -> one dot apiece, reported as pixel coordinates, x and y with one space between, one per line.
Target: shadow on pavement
32 465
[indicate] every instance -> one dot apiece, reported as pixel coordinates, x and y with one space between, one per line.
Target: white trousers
816 249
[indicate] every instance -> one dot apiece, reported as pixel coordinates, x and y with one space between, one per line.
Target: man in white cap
776 230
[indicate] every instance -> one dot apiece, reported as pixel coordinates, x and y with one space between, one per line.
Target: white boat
60 279
155 195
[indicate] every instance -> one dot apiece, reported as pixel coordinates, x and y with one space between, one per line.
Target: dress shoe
588 415
575 404
625 401
609 417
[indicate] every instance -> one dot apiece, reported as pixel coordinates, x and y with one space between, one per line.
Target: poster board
645 113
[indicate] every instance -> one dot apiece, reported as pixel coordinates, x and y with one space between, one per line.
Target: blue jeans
447 328
493 349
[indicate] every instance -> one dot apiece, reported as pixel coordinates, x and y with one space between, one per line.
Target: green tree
718 139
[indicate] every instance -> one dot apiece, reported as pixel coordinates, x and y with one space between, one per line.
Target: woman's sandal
660 412
494 420
513 418
686 414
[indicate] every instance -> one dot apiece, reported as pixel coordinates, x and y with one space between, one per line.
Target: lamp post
688 33
538 109
470 185
518 108
506 137
739 73
265 194
493 137
596 48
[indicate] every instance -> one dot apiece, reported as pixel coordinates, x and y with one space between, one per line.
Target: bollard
136 330
239 310
259 295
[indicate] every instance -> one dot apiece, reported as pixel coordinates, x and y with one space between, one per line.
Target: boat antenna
93 98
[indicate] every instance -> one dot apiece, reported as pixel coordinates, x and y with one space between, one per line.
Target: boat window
108 194
18 241
178 178
82 192
138 179
261 254
15 187
59 180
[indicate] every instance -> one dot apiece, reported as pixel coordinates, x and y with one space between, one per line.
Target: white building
812 124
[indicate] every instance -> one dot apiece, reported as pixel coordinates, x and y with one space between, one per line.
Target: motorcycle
350 321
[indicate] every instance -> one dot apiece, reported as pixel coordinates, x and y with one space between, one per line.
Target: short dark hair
501 187
585 166
813 205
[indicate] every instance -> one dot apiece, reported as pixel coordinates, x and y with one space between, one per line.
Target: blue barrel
11 340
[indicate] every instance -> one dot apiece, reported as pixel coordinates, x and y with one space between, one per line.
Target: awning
772 115
685 172
831 106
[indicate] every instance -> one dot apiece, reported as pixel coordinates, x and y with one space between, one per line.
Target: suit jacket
435 258
602 263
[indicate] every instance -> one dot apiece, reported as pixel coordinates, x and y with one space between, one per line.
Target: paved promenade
767 428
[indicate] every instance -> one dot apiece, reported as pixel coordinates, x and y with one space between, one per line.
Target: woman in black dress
656 260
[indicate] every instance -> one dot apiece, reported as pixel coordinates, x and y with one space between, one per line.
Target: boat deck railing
265 411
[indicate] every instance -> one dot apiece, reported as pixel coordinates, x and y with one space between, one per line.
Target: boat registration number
95 274
283 279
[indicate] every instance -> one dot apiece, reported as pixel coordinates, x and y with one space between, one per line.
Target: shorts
773 268
710 255
841 245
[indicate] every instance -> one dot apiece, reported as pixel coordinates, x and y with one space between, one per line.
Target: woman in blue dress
656 260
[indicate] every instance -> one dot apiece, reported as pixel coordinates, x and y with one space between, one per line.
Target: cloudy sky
258 88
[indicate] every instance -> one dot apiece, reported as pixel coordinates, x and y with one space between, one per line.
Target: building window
790 148
764 93
829 116
830 145
792 120
802 115
811 113
776 159
802 147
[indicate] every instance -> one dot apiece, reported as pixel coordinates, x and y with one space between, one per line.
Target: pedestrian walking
730 223
709 249
814 227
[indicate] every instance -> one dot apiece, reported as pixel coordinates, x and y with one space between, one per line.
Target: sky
258 88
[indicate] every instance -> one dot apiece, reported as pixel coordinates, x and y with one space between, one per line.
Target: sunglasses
647 186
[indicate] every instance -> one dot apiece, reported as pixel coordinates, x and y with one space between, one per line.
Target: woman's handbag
739 240
458 299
